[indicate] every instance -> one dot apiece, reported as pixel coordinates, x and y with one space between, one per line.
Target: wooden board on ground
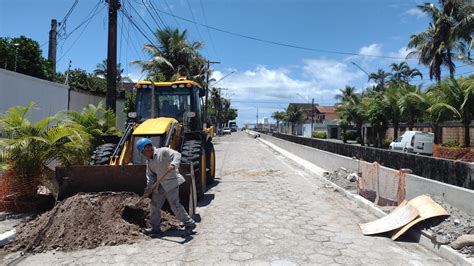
426 208
399 217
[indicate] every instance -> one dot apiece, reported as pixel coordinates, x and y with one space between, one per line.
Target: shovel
134 214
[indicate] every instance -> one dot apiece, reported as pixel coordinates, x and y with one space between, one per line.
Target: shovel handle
155 185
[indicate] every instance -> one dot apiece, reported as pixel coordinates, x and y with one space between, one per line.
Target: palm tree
351 110
410 104
29 146
346 94
460 95
447 38
278 116
173 56
380 78
295 115
402 73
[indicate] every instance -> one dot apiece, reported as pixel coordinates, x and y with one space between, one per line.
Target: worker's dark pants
158 199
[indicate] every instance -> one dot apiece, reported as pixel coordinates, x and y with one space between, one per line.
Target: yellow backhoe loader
171 115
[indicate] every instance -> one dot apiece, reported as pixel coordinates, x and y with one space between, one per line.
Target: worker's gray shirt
157 166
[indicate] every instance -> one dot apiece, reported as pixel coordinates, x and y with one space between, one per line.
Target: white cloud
330 74
415 12
373 49
401 53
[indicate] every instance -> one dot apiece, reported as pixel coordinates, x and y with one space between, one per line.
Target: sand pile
88 220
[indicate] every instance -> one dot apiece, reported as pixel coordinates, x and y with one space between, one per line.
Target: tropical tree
380 77
28 54
378 115
448 37
351 110
278 116
410 104
96 121
101 71
28 146
460 96
402 73
295 115
173 56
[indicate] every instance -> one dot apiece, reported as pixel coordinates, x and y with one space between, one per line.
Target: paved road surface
264 210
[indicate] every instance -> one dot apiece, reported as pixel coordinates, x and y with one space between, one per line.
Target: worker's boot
189 227
151 231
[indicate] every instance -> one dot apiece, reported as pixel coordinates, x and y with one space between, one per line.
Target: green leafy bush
319 134
386 142
451 144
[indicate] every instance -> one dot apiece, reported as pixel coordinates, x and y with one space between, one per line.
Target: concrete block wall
447 171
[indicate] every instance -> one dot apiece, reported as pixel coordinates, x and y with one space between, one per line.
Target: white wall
19 89
51 97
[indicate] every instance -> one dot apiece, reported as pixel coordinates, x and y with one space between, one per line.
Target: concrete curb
422 236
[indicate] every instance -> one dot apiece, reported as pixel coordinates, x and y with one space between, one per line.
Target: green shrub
386 142
451 144
319 134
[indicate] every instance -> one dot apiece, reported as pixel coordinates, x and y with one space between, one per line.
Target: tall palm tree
402 73
447 38
295 115
380 78
346 94
173 56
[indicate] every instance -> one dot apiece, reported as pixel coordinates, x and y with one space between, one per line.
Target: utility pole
256 126
66 82
312 116
207 89
16 53
111 94
52 47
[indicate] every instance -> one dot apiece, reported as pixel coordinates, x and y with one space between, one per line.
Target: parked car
414 142
226 130
233 126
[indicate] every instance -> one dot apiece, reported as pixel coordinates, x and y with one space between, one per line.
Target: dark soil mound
88 221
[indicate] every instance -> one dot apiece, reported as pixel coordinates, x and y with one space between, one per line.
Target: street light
16 53
223 78
359 67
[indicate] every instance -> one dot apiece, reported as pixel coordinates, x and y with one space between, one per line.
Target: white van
414 142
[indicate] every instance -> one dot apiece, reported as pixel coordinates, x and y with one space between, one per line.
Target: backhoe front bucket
129 178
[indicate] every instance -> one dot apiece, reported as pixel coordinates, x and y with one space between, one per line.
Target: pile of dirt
447 230
88 220
343 178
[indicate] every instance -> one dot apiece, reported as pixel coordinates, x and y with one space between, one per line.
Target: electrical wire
140 17
89 16
278 43
160 18
151 15
208 31
129 17
82 32
195 24
64 20
169 8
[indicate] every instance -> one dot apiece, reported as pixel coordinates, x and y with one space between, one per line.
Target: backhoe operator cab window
169 102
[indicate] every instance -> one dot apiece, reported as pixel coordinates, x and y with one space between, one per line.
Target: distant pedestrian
160 161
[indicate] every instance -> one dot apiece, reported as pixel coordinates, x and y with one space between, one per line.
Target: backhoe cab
171 115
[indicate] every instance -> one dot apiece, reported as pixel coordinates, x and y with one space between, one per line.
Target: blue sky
265 75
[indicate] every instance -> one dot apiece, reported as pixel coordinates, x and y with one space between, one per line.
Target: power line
195 24
208 31
129 17
151 15
279 43
64 20
163 23
169 8
83 30
89 16
140 17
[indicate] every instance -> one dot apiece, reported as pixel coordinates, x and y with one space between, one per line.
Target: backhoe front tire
210 164
193 152
102 154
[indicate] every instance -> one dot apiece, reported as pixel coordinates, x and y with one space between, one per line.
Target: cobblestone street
263 210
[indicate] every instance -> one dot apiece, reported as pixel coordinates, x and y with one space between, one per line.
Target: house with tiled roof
325 119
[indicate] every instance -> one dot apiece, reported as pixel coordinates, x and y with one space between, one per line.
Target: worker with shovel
163 162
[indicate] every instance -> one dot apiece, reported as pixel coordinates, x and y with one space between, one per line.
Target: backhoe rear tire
102 154
210 163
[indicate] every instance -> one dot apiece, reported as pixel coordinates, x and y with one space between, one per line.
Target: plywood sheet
426 208
399 217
